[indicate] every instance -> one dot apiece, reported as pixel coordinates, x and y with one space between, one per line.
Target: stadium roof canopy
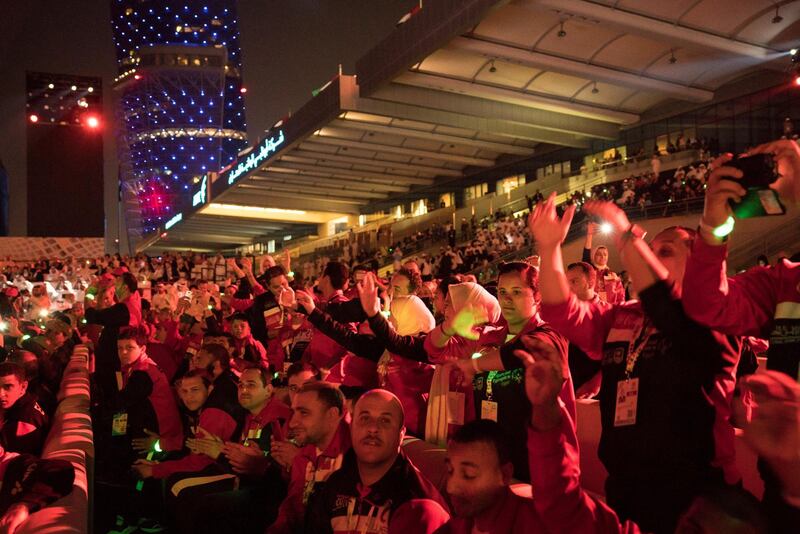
465 85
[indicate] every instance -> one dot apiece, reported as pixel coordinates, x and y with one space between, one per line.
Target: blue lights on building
181 105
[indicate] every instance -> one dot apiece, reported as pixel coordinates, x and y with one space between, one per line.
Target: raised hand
772 424
720 190
467 321
547 228
286 261
368 295
305 300
544 371
608 212
787 156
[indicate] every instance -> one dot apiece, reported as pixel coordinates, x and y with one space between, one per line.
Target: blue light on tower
181 107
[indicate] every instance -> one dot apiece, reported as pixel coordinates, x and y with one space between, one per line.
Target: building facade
180 103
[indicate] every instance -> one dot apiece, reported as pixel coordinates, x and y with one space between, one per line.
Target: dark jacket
402 501
25 427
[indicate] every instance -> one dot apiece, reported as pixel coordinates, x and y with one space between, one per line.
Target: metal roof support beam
412 152
303 190
310 164
347 183
526 57
546 112
648 26
291 201
470 122
502 148
381 167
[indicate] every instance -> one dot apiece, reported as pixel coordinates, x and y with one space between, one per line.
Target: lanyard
489 379
636 346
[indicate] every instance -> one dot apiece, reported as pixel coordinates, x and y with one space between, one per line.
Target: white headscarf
410 316
471 293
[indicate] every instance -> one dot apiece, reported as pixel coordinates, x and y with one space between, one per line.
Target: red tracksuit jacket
763 302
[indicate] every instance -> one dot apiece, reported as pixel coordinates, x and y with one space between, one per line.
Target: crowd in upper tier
233 395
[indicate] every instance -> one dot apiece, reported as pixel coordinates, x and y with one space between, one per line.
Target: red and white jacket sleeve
561 503
742 305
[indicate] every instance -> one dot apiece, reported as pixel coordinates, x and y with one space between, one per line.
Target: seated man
24 423
318 422
261 488
479 471
298 374
194 392
377 489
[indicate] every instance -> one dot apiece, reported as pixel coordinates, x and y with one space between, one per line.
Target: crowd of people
232 395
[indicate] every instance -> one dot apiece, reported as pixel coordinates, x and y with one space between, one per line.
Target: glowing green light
386 314
26 337
476 355
725 228
157 446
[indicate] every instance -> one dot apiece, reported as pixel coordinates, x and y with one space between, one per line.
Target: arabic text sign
256 157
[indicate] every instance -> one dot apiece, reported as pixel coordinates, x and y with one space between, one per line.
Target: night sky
289 47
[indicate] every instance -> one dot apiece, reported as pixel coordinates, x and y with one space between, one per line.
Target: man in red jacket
764 301
193 389
479 471
772 429
377 490
318 421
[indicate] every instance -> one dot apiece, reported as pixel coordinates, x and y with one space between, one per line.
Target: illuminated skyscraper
181 106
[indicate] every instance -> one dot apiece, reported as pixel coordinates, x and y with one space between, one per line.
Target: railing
578 229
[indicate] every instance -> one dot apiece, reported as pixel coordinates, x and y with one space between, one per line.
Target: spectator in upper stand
608 286
377 490
23 423
667 381
319 424
246 349
479 471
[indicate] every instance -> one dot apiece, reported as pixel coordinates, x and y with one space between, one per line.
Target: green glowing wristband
720 232
157 446
725 228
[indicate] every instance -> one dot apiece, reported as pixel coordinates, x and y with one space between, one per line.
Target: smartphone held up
759 172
